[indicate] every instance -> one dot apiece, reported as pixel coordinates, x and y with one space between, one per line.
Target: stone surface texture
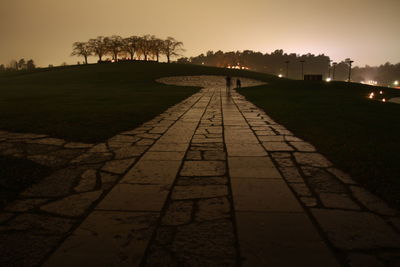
212 181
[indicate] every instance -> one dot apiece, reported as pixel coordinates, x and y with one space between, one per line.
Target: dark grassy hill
91 103
359 135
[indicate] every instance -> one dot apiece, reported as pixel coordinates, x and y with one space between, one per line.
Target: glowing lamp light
371 95
396 83
280 75
328 79
384 100
380 92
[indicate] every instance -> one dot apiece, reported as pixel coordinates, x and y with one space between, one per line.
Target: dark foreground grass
17 175
94 102
359 135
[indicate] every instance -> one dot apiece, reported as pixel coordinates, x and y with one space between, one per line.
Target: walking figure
238 83
228 82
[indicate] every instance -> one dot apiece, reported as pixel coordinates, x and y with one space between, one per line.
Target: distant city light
202 63
328 79
371 95
396 83
384 100
380 92
280 75
238 67
370 82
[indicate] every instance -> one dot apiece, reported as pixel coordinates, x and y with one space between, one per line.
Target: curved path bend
213 181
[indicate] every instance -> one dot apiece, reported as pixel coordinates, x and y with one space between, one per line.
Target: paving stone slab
178 213
281 239
352 230
153 172
133 197
199 191
245 150
262 195
203 168
118 166
252 167
73 205
372 202
172 155
312 159
338 201
277 146
205 244
107 239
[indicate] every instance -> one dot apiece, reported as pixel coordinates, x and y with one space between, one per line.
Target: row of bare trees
135 47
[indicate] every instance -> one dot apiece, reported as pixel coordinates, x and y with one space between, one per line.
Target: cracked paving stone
338 201
205 244
303 146
345 178
203 168
118 166
130 152
214 155
89 158
99 148
212 209
107 180
48 160
193 155
87 182
58 184
178 212
301 189
350 230
372 202
309 201
158 256
74 205
321 181
312 159
199 191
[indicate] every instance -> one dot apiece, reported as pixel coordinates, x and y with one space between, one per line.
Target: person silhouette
228 82
238 83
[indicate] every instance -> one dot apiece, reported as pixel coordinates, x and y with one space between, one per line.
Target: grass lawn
90 103
359 135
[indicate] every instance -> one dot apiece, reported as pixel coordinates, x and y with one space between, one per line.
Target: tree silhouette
30 65
172 48
81 49
131 45
114 45
156 47
145 45
21 64
99 46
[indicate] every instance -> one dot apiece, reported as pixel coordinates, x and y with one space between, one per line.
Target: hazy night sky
365 30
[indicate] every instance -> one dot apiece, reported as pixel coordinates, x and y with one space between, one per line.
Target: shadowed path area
213 181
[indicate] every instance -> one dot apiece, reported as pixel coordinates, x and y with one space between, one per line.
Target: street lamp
302 69
287 68
334 70
349 62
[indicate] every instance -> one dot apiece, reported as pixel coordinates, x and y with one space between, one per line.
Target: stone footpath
213 181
